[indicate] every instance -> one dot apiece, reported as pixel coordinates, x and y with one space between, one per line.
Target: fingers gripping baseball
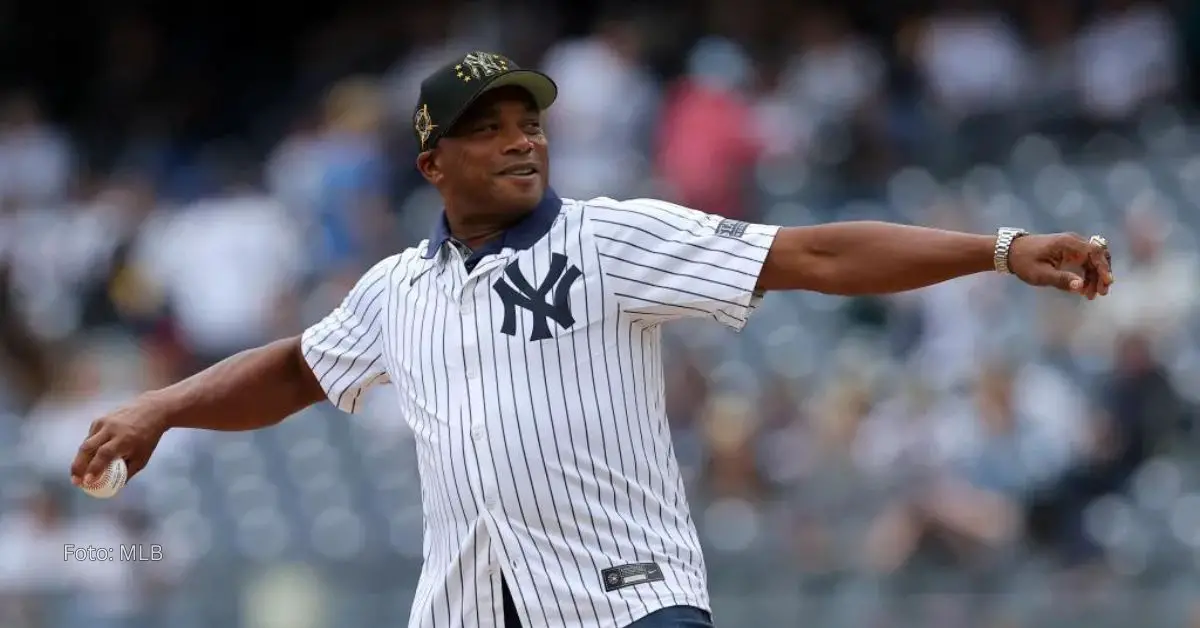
130 434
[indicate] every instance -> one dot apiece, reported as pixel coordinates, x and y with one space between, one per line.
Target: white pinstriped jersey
533 385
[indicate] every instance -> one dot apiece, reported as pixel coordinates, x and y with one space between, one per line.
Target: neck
474 230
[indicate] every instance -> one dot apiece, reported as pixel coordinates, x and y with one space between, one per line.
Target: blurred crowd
976 453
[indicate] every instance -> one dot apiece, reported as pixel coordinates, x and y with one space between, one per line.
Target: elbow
307 389
814 271
831 275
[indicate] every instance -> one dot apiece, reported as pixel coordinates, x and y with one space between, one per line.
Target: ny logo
521 294
480 64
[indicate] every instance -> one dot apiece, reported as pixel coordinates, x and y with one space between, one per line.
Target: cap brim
542 87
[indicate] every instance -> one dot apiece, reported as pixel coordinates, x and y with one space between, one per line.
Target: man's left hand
1065 261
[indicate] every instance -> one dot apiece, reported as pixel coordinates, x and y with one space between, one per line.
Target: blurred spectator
1160 289
1143 416
35 158
729 426
223 266
1053 94
294 173
33 575
971 59
976 71
437 34
89 383
832 81
601 125
1008 449
937 430
832 74
707 141
39 565
961 320
353 224
1127 58
25 367
113 292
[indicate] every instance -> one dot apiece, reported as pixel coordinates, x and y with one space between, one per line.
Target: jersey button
477 432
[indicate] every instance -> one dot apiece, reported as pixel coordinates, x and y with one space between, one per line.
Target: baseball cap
450 90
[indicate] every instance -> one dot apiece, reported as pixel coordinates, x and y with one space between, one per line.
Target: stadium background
179 181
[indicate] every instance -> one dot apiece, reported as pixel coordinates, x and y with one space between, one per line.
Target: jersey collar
522 235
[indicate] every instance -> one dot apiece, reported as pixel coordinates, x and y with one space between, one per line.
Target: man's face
496 154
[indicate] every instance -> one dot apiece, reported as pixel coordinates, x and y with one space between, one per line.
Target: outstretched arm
336 359
251 390
854 258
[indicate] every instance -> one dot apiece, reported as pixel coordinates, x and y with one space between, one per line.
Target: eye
486 127
533 127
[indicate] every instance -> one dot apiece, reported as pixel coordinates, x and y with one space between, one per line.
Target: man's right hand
130 433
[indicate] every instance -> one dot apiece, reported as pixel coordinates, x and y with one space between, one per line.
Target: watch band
1005 237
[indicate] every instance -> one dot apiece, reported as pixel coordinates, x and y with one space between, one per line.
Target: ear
429 167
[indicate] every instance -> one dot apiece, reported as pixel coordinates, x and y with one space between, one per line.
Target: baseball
110 482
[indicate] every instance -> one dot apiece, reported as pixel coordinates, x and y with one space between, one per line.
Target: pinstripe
645 427
436 518
689 293
646 420
613 390
450 529
542 447
660 208
507 453
442 316
576 524
587 339
680 276
465 423
401 346
443 534
682 522
343 319
655 423
681 258
663 315
592 479
624 372
528 466
668 241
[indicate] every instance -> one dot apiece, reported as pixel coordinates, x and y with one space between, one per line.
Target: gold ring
1099 241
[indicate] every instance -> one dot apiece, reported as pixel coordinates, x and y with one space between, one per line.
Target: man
523 340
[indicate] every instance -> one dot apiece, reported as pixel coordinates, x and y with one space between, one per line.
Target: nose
517 141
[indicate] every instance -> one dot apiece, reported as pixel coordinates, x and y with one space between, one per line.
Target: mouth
525 170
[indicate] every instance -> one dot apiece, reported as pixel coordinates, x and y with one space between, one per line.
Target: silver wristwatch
1004 240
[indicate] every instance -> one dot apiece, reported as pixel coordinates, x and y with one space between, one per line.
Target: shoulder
641 212
409 256
390 268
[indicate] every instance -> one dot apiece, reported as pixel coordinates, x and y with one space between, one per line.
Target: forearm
854 258
253 389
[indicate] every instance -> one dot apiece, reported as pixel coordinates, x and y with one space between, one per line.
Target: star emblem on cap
480 65
423 124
